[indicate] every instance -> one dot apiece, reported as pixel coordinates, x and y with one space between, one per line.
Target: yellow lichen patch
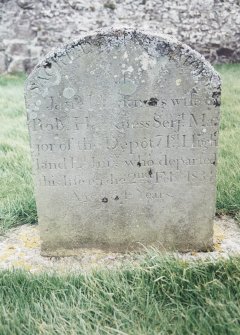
21 254
6 254
218 235
217 247
193 253
30 242
11 247
21 264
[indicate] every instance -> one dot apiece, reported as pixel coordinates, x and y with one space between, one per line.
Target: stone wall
31 28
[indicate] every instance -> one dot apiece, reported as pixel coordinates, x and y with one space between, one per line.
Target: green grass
228 182
17 204
159 297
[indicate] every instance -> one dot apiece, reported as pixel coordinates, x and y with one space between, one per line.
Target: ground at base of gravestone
20 249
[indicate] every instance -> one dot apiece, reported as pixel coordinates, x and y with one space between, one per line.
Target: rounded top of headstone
156 45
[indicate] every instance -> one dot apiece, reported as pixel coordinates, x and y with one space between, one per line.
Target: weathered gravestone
124 128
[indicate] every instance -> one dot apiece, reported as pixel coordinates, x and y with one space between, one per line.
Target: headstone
124 129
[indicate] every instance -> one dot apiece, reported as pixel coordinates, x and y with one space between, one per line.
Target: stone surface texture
124 131
30 28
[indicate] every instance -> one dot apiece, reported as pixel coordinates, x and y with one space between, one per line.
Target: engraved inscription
124 135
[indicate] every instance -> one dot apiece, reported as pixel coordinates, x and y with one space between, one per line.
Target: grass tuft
17 204
160 296
228 177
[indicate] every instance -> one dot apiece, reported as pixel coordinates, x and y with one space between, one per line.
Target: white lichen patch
68 92
33 115
129 69
125 55
127 87
163 61
146 61
178 82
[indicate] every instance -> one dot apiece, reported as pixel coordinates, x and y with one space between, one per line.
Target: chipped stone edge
107 33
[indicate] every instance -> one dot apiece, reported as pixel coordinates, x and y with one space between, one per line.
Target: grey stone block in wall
124 129
210 27
2 62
